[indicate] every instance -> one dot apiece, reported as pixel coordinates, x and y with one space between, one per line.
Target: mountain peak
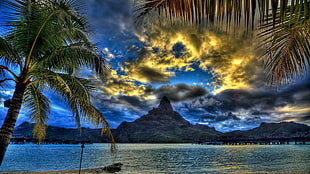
165 104
162 125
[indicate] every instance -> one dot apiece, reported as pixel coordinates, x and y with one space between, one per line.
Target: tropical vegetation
45 47
282 26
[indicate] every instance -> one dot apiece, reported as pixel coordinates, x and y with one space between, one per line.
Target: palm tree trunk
8 125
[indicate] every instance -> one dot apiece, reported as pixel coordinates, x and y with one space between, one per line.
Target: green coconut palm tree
45 47
283 27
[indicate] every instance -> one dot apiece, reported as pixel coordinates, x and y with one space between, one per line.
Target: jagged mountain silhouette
162 124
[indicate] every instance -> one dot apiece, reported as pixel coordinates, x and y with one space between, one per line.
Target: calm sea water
162 158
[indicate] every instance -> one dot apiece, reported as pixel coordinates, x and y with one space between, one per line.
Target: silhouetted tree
45 47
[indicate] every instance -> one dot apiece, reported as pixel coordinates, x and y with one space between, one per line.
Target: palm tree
45 47
283 27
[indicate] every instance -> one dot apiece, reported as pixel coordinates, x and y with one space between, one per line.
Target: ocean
161 158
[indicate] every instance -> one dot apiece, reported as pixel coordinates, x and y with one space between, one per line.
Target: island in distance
162 125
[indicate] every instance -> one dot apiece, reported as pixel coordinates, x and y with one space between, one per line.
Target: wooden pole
82 146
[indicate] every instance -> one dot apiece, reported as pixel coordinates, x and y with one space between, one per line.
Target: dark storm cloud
295 95
144 68
259 113
265 99
122 108
233 100
305 118
248 108
152 75
131 100
299 92
180 92
218 118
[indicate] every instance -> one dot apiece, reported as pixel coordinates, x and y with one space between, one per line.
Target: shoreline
100 170
83 171
116 167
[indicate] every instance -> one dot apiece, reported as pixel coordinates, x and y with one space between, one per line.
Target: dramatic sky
210 79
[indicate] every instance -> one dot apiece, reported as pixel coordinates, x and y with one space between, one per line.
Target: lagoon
161 158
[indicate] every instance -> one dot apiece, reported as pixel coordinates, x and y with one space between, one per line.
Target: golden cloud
292 109
232 61
124 85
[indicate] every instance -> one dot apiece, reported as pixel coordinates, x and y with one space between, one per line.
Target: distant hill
164 125
273 130
58 133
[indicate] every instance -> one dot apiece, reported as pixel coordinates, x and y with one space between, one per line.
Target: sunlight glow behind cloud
232 62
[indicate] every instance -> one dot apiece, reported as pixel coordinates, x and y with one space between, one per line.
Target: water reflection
163 158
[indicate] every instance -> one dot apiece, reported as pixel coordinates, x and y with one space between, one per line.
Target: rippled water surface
162 158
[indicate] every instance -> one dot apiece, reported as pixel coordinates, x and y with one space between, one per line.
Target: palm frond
287 47
42 26
96 117
5 72
3 76
9 59
23 23
39 107
197 12
76 94
211 11
74 25
73 90
71 57
8 54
